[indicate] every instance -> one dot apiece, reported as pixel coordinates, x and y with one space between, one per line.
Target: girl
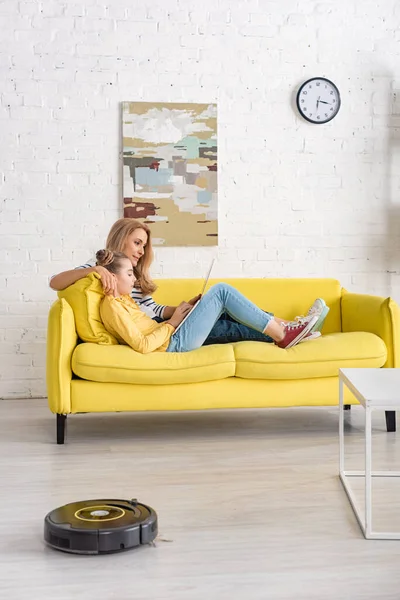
124 320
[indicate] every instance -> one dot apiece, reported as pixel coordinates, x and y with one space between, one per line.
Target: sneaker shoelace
301 319
311 313
294 325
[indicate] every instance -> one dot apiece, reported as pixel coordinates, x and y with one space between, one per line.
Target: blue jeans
227 331
200 323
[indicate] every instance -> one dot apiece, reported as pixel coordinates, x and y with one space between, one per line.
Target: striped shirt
144 301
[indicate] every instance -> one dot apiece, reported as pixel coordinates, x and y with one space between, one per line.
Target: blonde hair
116 242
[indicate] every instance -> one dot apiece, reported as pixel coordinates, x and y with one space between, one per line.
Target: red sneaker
295 332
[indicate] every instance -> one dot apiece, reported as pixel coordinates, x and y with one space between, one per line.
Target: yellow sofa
98 375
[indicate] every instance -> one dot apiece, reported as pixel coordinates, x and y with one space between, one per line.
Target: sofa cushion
121 364
84 297
317 358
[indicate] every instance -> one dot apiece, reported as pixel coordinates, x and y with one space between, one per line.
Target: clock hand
323 102
318 101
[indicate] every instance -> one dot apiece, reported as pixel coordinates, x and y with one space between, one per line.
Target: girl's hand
180 313
194 300
108 280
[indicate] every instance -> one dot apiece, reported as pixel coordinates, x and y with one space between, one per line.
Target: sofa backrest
286 298
85 297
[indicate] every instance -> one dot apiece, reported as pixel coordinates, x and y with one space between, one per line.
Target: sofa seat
322 357
121 364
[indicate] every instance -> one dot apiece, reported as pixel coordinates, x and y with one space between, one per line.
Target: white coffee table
375 389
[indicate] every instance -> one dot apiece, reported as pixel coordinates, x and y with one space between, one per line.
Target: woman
124 320
133 239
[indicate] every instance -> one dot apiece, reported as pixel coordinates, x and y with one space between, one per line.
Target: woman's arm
67 278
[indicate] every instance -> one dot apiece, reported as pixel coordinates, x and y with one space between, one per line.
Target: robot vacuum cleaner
100 526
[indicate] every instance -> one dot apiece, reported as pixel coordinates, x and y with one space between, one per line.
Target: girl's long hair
116 241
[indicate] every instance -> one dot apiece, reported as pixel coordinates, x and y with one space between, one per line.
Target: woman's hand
194 300
108 280
180 313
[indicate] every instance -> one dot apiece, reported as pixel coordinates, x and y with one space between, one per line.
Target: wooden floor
249 503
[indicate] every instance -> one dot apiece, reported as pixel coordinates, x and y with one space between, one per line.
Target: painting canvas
170 171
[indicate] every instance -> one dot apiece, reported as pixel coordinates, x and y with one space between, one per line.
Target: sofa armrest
61 342
361 312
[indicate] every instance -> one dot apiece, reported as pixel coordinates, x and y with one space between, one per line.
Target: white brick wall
294 199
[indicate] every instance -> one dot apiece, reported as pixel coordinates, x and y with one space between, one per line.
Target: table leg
368 478
341 428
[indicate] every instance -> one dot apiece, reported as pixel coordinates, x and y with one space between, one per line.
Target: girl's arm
168 311
117 320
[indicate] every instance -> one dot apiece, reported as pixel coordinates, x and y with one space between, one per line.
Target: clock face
318 100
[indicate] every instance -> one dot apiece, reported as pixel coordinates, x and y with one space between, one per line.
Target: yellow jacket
125 321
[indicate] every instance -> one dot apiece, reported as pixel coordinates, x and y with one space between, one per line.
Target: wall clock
318 100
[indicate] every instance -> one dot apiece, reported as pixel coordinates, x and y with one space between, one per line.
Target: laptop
207 277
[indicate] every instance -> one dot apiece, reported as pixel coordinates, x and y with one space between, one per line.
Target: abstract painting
170 171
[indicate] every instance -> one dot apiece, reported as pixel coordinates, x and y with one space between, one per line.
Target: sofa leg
347 407
390 420
61 423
